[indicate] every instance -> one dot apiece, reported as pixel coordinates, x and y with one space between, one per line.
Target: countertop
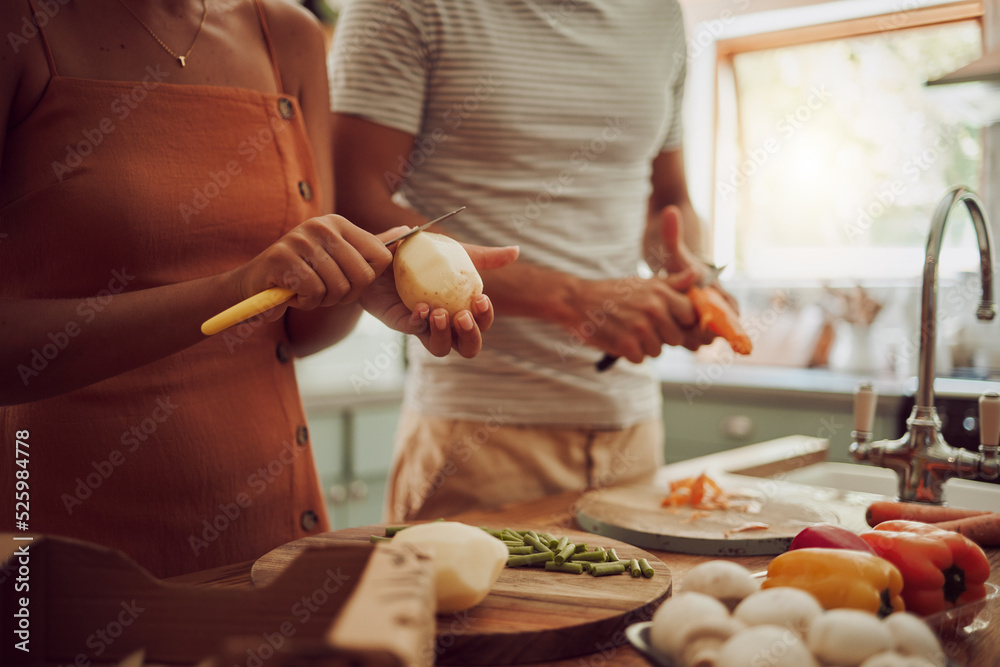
557 512
807 384
738 381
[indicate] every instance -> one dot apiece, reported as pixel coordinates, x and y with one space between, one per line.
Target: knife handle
606 362
246 309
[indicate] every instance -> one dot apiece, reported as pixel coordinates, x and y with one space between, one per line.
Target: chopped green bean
528 548
536 543
529 559
508 534
563 555
574 568
604 569
596 556
379 538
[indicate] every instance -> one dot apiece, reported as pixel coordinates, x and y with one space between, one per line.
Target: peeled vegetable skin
436 270
467 561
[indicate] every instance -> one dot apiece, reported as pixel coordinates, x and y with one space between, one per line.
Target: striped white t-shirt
543 118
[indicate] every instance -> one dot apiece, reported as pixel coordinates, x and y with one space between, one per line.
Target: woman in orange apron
157 167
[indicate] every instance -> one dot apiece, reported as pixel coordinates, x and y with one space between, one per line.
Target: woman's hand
325 260
432 327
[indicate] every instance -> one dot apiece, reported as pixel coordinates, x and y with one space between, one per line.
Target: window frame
712 45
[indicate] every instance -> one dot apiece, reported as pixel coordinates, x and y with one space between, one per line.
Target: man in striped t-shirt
557 123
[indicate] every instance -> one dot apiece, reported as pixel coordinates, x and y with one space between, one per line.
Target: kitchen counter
806 384
557 513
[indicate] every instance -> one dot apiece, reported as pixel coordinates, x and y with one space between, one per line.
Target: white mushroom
686 618
893 659
783 606
724 580
703 642
911 636
769 645
848 637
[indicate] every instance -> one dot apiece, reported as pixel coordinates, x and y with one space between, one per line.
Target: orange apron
202 458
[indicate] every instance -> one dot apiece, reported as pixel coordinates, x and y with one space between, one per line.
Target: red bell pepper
940 569
828 536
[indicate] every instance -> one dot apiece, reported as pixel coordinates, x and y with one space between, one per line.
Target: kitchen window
831 153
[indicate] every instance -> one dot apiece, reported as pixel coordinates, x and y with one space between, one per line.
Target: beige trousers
445 466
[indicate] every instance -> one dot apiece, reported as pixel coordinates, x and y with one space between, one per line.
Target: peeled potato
435 269
467 560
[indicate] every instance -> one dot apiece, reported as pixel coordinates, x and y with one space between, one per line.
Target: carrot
887 510
701 493
983 529
716 315
698 489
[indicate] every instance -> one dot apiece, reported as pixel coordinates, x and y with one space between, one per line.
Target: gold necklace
181 59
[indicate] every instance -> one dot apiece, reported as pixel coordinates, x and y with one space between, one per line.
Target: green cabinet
727 417
352 443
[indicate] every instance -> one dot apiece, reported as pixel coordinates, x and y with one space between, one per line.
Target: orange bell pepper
840 578
940 569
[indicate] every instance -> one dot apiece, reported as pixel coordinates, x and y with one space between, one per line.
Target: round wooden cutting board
530 615
633 514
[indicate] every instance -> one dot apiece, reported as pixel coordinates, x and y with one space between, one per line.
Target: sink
869 479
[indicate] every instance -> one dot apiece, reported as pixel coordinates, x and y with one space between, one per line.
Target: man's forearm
529 290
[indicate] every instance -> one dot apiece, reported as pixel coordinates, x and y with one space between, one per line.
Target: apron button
302 435
285 108
308 520
283 352
305 190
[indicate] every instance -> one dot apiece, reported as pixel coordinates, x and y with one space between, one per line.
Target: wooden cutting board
633 514
530 615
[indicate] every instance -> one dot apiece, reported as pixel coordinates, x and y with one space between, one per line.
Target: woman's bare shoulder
18 31
298 41
23 69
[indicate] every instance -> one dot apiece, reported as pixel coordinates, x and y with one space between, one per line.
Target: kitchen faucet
921 458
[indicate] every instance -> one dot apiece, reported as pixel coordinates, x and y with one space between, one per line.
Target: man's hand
635 317
678 257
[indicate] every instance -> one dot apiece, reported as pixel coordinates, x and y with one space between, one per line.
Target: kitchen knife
275 296
422 227
709 277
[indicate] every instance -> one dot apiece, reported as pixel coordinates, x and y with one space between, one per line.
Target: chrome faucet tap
921 458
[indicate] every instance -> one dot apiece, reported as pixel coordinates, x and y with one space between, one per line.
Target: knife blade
709 277
275 296
422 227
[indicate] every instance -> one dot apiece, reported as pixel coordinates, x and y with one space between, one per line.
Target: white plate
638 636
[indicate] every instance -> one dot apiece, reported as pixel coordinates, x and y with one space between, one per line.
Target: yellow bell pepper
840 578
